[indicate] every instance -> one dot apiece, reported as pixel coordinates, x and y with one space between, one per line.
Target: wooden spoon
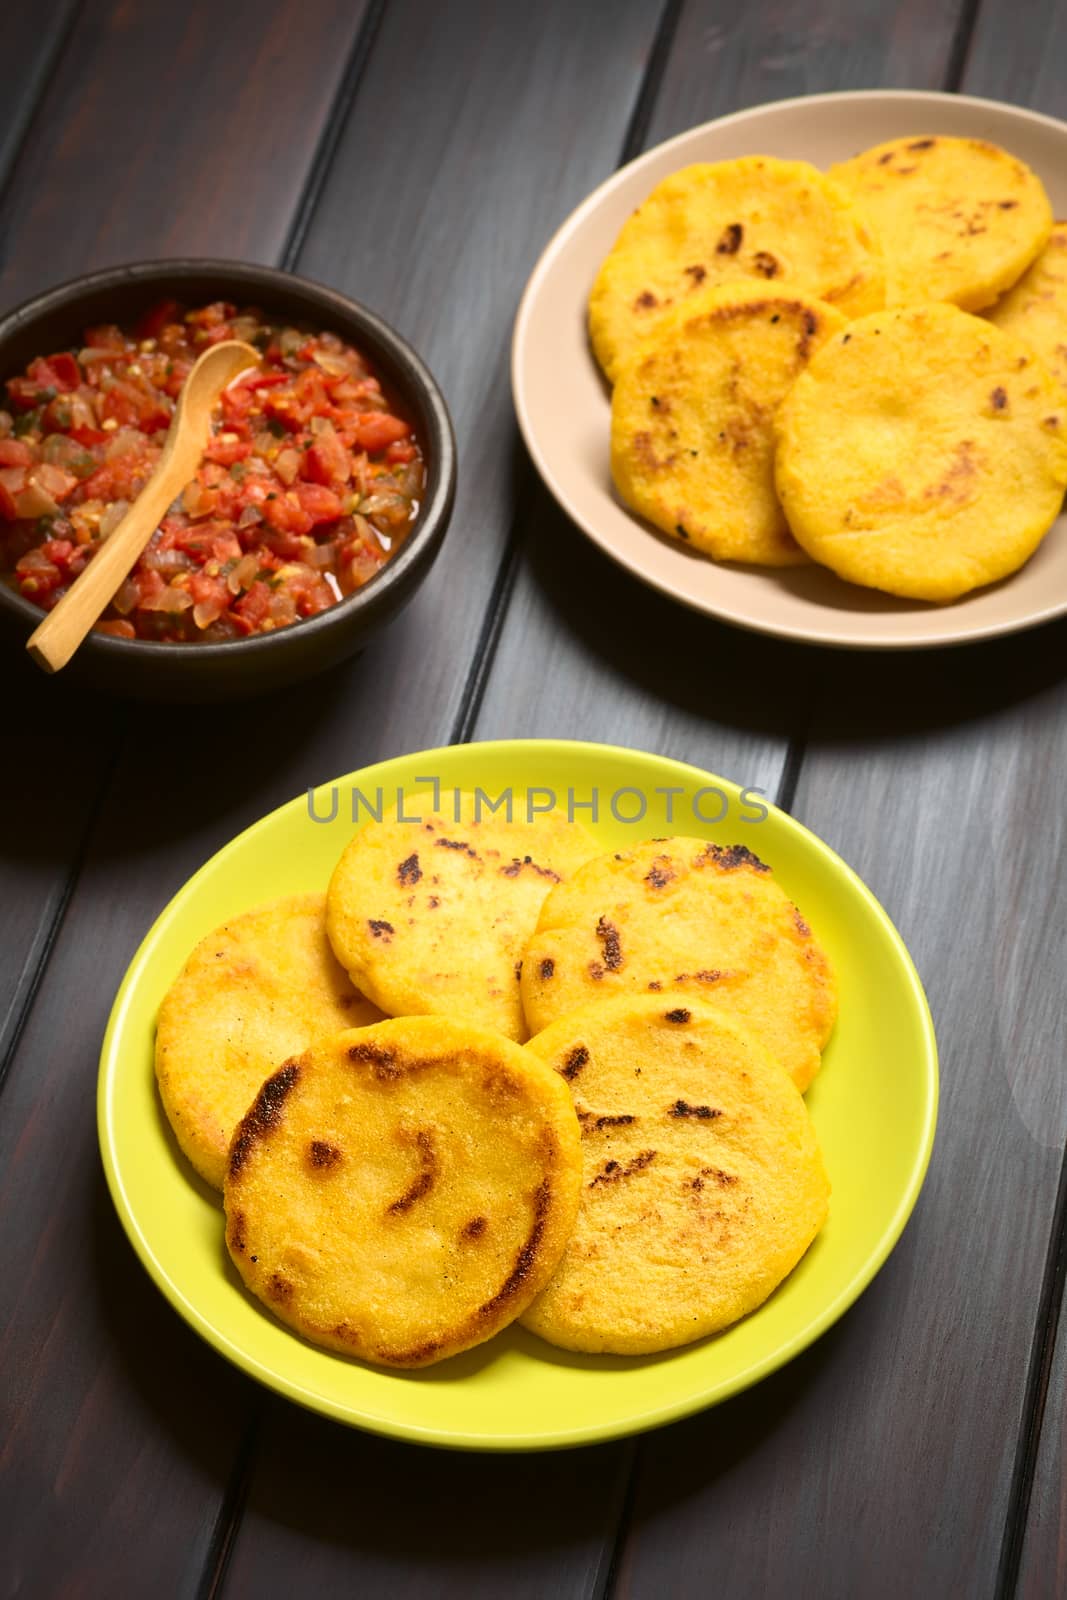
54 642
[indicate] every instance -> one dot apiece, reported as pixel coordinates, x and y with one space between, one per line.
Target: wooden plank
882 1462
104 1373
347 1514
173 131
1020 64
33 38
30 887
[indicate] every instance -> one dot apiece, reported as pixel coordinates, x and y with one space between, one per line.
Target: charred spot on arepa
475 1228
380 928
616 1171
548 967
660 873
678 1015
279 1289
322 1155
684 1108
524 1259
235 1232
265 1115
575 1061
427 1175
409 872
610 943
516 866
381 1059
592 1122
730 857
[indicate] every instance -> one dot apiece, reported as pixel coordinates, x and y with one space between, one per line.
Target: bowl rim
414 375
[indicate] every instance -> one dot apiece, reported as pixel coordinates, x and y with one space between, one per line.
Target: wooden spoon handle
55 640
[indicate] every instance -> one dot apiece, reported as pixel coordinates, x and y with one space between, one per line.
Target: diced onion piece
112 517
126 598
35 501
243 574
123 443
250 515
170 599
333 366
287 465
205 612
197 501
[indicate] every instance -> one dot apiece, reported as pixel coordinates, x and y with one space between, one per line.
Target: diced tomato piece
327 461
13 453
132 407
119 629
254 606
60 372
376 430
320 504
399 454
154 321
227 451
88 436
12 483
105 336
226 547
265 380
25 393
285 513
206 589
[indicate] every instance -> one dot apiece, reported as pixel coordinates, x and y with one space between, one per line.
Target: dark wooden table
418 156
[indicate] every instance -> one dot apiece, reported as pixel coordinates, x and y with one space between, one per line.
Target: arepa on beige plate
257 989
959 219
433 915
692 418
684 915
757 217
702 1181
923 452
1035 309
401 1192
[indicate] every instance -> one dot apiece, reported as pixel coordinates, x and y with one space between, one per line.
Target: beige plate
564 408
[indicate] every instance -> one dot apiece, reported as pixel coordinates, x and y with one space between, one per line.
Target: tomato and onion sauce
309 482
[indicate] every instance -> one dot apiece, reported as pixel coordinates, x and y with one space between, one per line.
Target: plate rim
525 751
571 224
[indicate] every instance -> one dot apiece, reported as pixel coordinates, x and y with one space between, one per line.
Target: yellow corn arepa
257 989
1035 310
683 915
959 219
692 418
702 1181
922 453
433 915
402 1192
756 217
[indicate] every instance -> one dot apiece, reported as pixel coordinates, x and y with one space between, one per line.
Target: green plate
874 1105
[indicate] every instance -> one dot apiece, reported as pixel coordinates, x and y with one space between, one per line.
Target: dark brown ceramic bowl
55 320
